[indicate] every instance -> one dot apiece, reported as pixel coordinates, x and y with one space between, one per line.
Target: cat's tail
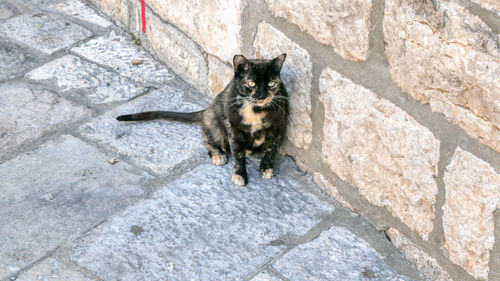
168 115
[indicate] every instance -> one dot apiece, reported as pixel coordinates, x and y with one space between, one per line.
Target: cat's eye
271 84
251 84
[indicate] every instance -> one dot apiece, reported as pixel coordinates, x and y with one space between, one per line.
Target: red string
143 10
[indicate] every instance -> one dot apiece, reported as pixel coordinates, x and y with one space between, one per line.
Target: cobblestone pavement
87 198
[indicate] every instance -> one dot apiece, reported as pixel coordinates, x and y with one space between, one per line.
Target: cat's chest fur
255 120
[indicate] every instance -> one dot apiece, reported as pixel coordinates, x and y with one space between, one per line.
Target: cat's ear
278 61
240 63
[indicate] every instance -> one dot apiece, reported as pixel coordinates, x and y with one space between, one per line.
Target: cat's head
258 81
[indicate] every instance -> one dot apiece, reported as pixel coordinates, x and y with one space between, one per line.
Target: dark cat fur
248 116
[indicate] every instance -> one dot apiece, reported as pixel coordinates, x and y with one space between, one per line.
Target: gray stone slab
201 227
43 32
56 193
263 276
14 61
118 52
71 72
160 145
52 270
337 255
28 114
6 11
81 11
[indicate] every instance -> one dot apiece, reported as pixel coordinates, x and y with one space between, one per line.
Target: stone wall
395 106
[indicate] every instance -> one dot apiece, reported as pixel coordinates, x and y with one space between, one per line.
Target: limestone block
29 114
80 10
493 5
381 149
42 32
424 263
297 76
443 56
472 195
337 254
178 51
116 9
53 270
214 24
201 227
219 75
343 24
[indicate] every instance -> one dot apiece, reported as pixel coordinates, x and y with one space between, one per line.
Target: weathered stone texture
201 227
219 75
442 55
80 10
72 73
297 76
343 24
159 145
179 51
323 183
381 149
337 254
472 195
43 32
493 5
13 61
424 263
28 114
263 276
56 193
53 270
116 9
214 24
118 52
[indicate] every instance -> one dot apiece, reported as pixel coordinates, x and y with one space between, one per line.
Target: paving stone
201 227
71 72
264 277
6 11
117 52
52 270
43 32
159 145
28 114
337 254
56 193
81 11
14 61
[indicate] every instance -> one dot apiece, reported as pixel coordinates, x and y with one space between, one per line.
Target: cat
248 116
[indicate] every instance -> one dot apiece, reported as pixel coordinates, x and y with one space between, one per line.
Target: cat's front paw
239 180
267 173
219 160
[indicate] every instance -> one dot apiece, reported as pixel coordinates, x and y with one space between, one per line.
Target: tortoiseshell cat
248 116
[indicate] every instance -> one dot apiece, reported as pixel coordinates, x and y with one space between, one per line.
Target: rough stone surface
13 61
472 195
53 270
337 254
160 145
117 52
297 76
201 227
116 9
214 24
343 24
6 11
264 277
28 114
71 73
493 5
424 263
72 188
179 51
80 10
322 182
443 56
42 32
219 75
381 149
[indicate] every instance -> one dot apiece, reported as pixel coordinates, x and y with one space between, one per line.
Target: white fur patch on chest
251 118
